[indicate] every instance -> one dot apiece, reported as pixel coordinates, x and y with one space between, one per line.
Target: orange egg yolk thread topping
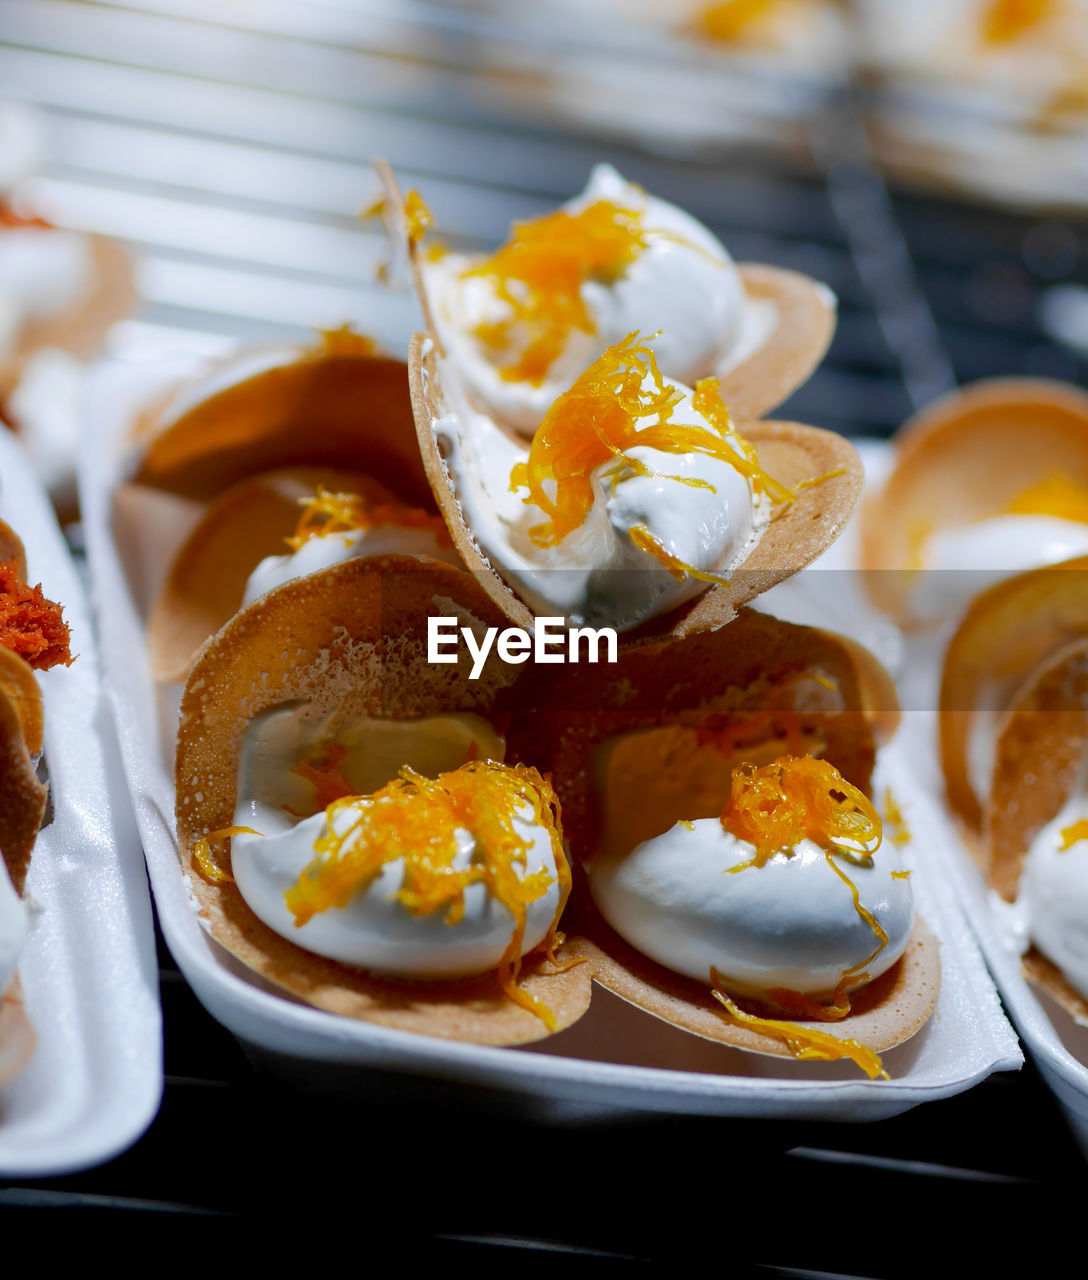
774 808
1073 834
417 217
1055 495
539 274
31 625
328 513
415 818
599 418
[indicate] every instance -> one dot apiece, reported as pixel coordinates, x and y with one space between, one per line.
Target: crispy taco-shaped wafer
269 516
815 477
326 680
1036 821
991 477
11 548
81 329
650 755
1007 633
336 404
786 319
22 796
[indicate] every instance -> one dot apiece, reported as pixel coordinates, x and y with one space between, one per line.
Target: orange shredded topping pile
799 798
1073 834
344 341
416 818
1004 21
328 513
729 21
539 273
1055 495
31 625
417 216
598 419
802 1042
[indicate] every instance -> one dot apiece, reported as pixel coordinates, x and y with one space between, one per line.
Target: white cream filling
790 923
44 270
374 930
964 561
13 928
334 548
683 284
45 406
596 575
1053 895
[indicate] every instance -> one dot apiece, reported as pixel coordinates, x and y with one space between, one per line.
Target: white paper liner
615 1057
88 972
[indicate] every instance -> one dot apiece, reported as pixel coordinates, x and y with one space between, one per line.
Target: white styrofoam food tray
615 1056
88 971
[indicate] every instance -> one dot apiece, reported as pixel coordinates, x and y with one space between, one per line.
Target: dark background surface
228 144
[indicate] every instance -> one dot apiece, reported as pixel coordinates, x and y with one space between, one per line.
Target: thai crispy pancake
346 641
964 458
792 453
22 797
1041 754
804 320
207 579
321 408
760 687
11 548
1009 630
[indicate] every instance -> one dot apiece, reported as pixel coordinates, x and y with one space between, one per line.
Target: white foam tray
88 972
615 1057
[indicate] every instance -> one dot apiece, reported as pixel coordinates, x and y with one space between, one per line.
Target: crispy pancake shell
316 407
346 640
1042 752
17 1040
207 579
805 319
1007 633
792 453
22 796
962 459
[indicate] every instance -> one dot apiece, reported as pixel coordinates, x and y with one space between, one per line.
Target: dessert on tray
1014 737
33 637
731 874
988 481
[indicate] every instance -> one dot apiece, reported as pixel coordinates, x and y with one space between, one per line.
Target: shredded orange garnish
415 818
206 863
30 625
376 209
327 513
729 20
802 1042
598 419
1004 21
1055 495
417 216
344 341
1073 834
539 273
323 772
799 798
